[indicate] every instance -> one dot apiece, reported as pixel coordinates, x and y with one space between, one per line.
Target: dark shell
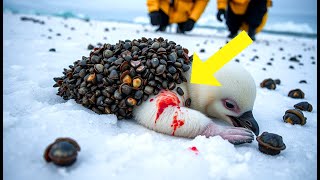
138 94
107 53
268 83
135 63
188 102
172 85
160 69
185 67
296 94
141 68
172 69
270 143
155 45
114 74
125 89
180 91
124 66
294 116
154 62
304 106
98 68
148 90
62 152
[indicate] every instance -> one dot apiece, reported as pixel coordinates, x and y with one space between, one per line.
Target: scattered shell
304 106
294 116
90 47
268 83
296 94
270 143
62 152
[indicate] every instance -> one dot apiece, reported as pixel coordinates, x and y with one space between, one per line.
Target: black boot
161 28
180 29
232 35
252 33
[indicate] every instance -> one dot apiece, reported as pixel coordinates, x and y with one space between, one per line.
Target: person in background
183 12
248 15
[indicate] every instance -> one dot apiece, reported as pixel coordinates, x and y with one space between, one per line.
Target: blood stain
165 99
151 99
176 123
194 149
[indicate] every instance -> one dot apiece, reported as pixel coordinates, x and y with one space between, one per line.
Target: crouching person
248 15
183 12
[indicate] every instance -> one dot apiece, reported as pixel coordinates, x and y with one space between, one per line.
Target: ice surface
34 116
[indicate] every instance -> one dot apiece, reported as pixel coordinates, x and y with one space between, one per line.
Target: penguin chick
232 102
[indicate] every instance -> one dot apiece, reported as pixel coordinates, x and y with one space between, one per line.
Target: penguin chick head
233 101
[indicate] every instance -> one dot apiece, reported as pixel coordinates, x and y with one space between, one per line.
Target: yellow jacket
181 9
239 7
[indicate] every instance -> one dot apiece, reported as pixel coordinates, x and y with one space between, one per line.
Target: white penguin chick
232 102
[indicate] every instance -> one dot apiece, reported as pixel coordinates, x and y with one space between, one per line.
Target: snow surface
34 116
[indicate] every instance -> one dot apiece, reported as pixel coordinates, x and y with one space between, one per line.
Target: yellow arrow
202 72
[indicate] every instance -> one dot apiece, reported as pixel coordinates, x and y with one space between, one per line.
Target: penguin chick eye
229 105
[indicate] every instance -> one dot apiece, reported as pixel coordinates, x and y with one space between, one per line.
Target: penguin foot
235 135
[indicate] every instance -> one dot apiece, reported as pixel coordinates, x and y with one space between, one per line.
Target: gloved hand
188 25
221 12
155 18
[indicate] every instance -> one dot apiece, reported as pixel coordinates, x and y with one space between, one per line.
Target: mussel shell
304 106
268 83
296 94
294 116
270 143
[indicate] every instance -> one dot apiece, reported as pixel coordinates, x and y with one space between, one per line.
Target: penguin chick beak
246 120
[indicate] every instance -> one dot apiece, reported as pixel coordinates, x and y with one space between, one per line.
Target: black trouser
253 16
164 21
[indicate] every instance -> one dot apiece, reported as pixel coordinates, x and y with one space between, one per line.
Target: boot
232 35
252 33
161 28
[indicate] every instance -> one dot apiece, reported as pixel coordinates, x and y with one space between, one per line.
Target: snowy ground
34 116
